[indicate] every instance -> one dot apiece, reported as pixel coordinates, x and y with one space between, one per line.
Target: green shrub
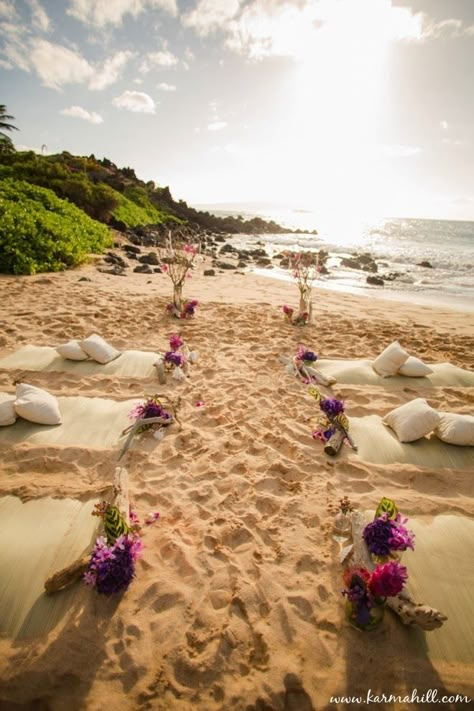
133 215
39 232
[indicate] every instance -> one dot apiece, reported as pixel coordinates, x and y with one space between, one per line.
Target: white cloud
135 101
40 19
79 112
261 28
5 65
400 151
57 65
111 70
211 15
216 126
112 12
158 59
7 10
166 87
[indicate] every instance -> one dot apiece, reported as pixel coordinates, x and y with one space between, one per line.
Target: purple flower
305 354
331 406
176 359
152 409
385 535
112 568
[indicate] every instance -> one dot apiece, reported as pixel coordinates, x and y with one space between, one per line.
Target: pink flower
200 403
190 249
175 341
151 518
164 268
388 580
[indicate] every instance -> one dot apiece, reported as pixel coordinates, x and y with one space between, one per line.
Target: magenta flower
388 579
151 518
175 341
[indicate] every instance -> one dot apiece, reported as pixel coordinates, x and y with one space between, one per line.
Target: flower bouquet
111 568
367 592
332 421
149 415
302 365
386 537
175 361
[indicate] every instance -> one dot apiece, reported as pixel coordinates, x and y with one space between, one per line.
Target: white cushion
37 405
98 349
456 429
413 420
72 351
7 413
414 368
390 360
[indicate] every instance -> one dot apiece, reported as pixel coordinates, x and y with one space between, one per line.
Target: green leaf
386 506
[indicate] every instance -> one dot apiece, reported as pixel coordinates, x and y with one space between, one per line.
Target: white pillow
414 368
390 360
98 349
7 413
456 429
413 420
72 351
37 405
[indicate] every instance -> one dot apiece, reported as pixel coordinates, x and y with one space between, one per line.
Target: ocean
397 244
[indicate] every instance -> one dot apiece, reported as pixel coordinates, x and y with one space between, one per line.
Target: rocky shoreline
136 250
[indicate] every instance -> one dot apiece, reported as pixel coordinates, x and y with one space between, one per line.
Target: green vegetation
102 190
39 232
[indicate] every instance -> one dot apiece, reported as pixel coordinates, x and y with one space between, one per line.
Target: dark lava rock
219 238
209 272
111 258
84 279
143 269
258 253
263 262
425 264
227 248
225 265
370 267
133 249
116 270
376 281
241 264
350 262
157 270
150 258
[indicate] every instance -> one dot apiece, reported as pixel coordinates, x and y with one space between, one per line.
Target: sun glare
335 100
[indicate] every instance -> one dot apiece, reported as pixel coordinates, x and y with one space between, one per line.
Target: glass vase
342 528
362 617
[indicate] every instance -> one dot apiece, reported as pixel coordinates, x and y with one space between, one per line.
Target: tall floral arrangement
177 259
305 268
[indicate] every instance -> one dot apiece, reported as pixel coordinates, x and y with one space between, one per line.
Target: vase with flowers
366 592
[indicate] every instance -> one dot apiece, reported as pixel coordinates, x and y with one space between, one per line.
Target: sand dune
237 600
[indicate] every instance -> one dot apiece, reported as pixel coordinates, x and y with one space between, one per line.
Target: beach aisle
236 603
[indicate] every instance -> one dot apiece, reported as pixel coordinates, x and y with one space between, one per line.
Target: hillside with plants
40 232
55 209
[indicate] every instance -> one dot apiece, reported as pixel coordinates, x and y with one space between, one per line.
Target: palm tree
6 144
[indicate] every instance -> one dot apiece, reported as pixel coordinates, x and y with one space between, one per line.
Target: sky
342 106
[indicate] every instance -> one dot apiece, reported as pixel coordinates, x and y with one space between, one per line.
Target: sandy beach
237 602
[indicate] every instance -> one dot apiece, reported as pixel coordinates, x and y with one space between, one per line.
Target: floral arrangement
305 268
177 260
332 417
300 319
304 356
187 311
387 535
175 360
365 591
150 414
111 568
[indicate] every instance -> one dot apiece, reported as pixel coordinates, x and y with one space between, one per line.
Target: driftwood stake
334 444
409 611
76 570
